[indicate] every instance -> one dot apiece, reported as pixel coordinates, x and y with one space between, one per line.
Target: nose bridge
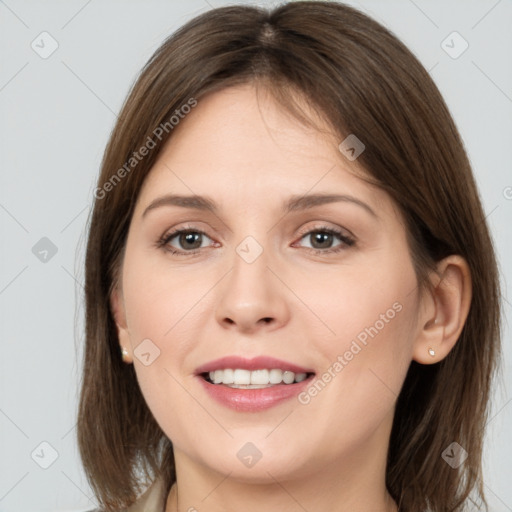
253 252
251 295
250 276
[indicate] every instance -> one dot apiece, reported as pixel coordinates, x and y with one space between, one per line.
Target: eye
189 241
322 239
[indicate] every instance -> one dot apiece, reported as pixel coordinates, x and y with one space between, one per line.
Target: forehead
238 145
248 118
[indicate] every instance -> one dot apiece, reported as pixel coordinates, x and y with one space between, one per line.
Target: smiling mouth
256 379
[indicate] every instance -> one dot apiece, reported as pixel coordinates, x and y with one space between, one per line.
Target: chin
257 463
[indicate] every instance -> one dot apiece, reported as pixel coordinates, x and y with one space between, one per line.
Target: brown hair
363 81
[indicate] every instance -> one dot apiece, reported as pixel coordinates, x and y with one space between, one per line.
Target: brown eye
322 240
190 240
183 241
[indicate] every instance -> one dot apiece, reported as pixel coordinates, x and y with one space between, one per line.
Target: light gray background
56 115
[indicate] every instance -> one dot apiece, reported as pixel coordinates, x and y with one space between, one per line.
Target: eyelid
324 226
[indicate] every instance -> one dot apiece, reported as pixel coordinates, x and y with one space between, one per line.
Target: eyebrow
294 203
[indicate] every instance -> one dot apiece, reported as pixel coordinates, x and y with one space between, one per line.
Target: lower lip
253 400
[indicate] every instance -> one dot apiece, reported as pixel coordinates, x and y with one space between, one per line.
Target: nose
252 298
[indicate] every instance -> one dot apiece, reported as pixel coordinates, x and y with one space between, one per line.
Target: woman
329 338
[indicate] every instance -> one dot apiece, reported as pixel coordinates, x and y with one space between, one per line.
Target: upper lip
256 363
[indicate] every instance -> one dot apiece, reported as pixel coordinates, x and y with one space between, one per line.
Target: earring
124 353
431 351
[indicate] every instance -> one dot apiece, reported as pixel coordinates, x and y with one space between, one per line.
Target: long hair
362 80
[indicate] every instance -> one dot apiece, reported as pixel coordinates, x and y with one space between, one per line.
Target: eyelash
347 240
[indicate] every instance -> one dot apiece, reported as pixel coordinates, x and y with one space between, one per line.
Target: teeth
240 376
276 376
228 376
288 377
259 377
256 379
299 377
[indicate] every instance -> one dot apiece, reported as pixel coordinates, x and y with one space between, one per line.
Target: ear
444 311
119 314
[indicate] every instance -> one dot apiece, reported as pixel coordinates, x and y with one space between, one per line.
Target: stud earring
431 351
124 354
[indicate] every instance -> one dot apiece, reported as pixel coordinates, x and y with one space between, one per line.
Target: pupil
324 239
190 238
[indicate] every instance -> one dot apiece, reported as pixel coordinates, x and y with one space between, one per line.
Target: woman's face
290 258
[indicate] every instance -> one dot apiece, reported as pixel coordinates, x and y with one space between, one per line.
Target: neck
282 497
355 483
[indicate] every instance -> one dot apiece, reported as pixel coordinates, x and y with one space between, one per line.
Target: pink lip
258 363
252 400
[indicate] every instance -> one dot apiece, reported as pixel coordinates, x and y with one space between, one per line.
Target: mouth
250 385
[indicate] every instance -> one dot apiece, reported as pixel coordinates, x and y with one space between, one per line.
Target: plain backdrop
57 110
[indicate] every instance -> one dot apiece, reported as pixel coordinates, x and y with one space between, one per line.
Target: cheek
364 365
371 314
165 311
161 302
371 306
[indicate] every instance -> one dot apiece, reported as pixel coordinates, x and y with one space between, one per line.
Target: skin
330 453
